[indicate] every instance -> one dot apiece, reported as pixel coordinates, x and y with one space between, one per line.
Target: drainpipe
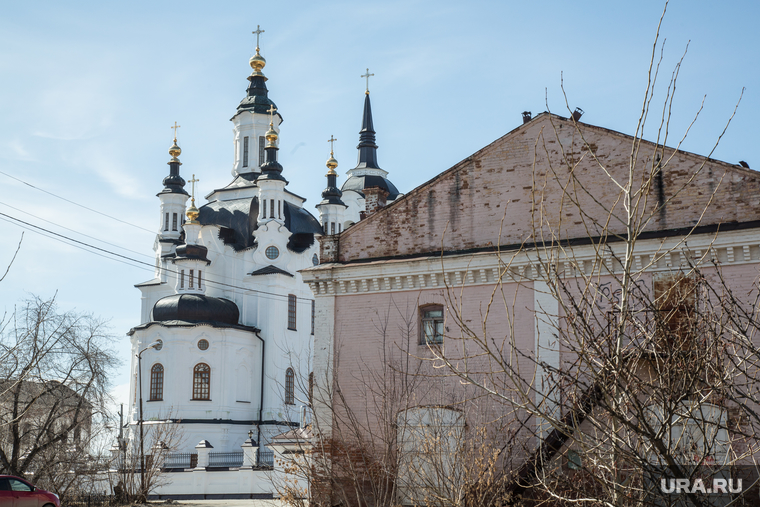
261 397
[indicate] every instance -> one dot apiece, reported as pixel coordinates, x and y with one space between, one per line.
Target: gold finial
175 151
271 135
257 61
367 75
331 162
192 212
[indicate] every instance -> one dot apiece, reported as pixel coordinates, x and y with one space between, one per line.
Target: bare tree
54 380
656 353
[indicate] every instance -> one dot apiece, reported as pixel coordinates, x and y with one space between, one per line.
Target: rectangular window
263 208
192 278
332 227
431 325
166 222
313 314
291 312
199 278
245 151
182 279
271 208
261 150
279 210
174 221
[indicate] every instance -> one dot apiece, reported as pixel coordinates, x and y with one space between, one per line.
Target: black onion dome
257 99
192 252
195 308
359 183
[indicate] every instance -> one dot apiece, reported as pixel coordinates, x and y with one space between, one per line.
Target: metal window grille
174 221
192 278
291 312
432 325
157 382
313 315
245 151
261 150
290 387
201 382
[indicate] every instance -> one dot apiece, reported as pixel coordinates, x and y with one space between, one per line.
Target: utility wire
75 203
136 261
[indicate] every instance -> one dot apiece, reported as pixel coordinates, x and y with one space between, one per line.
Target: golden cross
367 75
271 112
175 127
193 182
258 32
331 141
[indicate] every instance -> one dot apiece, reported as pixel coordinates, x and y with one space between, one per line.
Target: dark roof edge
681 231
184 323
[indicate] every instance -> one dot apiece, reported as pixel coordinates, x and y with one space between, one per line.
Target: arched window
201 381
290 387
157 382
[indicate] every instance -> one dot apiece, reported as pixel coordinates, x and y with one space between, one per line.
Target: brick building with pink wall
475 254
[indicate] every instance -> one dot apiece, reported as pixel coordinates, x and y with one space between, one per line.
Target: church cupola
271 182
250 120
173 198
191 257
331 209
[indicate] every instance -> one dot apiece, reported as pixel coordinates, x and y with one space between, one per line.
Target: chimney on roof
526 117
577 114
375 198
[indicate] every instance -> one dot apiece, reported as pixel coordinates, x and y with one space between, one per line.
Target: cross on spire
367 75
271 112
331 141
258 32
193 182
175 127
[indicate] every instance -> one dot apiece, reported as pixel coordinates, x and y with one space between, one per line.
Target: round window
203 344
315 260
272 252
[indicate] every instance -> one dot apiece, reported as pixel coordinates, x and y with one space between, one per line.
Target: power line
137 261
75 203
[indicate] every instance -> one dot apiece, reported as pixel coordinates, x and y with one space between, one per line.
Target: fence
266 458
225 459
90 501
181 460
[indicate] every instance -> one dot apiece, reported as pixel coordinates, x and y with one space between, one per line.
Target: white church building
226 326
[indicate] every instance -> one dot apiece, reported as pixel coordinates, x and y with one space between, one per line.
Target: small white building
232 317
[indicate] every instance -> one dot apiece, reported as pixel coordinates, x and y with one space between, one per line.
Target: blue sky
90 90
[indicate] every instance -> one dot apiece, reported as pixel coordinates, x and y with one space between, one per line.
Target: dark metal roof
195 308
270 270
184 323
257 99
239 215
367 147
359 183
192 252
300 221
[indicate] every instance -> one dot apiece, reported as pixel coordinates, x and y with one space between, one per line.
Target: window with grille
157 382
291 312
192 278
166 222
290 387
271 208
431 325
201 382
174 221
245 151
261 150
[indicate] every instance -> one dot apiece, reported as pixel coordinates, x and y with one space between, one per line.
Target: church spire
257 99
331 194
271 169
367 147
174 183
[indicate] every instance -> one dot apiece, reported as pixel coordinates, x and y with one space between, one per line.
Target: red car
16 492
